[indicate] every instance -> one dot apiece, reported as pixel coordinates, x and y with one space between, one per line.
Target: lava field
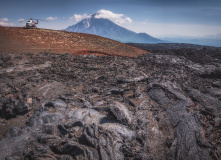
163 105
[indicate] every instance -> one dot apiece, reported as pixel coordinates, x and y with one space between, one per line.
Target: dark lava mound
165 105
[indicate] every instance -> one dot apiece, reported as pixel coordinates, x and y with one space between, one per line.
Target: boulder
10 109
121 113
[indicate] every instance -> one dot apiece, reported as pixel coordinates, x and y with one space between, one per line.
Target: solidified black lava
164 105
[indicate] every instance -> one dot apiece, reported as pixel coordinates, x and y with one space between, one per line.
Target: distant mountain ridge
106 28
209 40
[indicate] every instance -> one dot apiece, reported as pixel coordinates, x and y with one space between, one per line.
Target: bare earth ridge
15 39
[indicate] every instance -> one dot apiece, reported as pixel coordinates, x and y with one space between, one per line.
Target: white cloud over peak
116 18
51 18
79 17
128 20
5 22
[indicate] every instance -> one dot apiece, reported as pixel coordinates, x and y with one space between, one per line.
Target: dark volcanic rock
210 104
21 108
10 109
187 128
172 101
164 105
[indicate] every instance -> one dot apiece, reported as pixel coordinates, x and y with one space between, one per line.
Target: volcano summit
106 28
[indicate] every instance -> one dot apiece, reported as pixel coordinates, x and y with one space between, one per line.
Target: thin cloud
5 22
51 18
21 20
145 22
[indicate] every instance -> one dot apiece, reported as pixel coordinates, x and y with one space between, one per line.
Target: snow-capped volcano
95 24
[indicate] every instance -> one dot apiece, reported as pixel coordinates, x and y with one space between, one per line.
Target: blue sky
156 17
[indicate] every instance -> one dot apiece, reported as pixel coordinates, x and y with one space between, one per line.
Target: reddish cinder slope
15 39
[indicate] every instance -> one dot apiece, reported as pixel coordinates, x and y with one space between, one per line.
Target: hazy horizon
155 17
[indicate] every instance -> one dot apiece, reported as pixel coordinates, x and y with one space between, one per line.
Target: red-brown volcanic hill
15 39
